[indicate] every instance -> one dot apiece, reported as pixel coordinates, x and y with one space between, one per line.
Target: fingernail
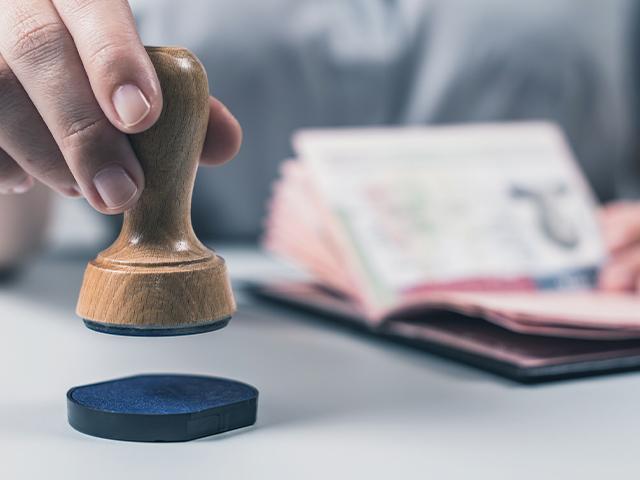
130 104
24 187
115 186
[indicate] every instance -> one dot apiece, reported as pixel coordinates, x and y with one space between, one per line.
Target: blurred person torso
280 65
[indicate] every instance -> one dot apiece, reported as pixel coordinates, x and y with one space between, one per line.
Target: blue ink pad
161 408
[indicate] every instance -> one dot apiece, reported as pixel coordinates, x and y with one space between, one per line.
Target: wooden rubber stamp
157 278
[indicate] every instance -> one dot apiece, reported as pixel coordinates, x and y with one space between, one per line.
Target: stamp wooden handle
158 229
157 277
169 154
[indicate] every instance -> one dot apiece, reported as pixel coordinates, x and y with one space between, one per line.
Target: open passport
480 242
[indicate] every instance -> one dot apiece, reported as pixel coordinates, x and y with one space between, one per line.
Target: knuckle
106 55
37 40
78 7
83 132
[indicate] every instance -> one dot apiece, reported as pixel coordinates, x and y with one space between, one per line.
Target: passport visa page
495 207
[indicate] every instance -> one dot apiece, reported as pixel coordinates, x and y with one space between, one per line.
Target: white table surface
333 404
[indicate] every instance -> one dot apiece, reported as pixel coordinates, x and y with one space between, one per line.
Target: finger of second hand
621 226
622 272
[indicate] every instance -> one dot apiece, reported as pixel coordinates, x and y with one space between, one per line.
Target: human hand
621 232
74 79
23 222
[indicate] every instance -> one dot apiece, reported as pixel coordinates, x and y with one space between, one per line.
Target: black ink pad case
161 407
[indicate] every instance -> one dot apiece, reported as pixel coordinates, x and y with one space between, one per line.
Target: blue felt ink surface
162 394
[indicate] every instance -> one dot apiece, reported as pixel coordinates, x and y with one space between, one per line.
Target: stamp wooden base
158 278
156 300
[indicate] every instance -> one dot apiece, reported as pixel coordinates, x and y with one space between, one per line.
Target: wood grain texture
157 274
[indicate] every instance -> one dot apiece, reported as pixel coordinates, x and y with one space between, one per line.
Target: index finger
120 72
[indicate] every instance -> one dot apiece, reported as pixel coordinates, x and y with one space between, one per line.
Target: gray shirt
280 65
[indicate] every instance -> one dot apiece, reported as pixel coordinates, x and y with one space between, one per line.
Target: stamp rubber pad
161 408
156 332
